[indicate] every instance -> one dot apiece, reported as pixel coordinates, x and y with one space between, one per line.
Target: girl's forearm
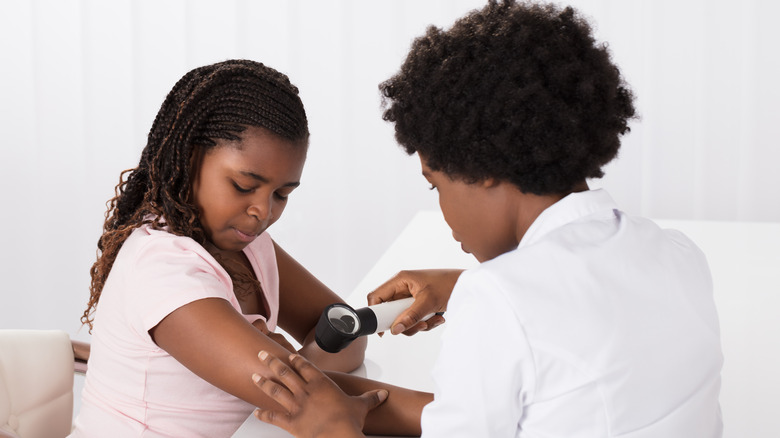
345 360
398 415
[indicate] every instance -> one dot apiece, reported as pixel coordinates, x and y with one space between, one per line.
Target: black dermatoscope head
340 324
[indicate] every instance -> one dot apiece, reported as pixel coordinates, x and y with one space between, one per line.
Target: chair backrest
36 383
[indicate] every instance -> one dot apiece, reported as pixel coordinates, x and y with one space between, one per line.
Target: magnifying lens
340 324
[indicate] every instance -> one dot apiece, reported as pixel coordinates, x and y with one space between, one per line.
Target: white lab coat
598 325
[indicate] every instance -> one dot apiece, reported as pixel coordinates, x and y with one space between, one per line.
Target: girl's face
479 214
241 187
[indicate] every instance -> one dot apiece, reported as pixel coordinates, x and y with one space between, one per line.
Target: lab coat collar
569 209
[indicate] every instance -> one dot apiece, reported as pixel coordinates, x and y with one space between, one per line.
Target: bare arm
399 415
214 341
313 406
302 298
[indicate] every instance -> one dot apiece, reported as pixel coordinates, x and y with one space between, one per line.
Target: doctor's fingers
424 326
278 419
280 374
411 320
306 369
397 287
276 392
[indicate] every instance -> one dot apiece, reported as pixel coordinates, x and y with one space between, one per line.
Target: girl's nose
260 210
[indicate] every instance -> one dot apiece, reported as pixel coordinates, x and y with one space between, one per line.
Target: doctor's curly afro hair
519 92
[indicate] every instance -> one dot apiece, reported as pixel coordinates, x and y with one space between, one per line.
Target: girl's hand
315 406
431 289
276 337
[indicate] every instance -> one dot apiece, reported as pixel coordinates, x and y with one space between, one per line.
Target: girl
188 285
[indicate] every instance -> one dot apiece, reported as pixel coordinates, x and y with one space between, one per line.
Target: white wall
81 82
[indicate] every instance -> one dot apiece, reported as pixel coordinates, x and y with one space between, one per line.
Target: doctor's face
478 213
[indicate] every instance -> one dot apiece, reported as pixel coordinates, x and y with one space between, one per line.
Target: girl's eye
241 189
280 196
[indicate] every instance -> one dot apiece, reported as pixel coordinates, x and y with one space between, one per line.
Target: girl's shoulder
147 236
148 245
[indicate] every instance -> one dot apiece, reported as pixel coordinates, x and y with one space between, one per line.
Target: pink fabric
136 389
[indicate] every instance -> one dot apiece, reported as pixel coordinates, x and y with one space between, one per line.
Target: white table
745 263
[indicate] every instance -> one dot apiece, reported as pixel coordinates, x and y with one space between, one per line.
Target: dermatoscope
340 324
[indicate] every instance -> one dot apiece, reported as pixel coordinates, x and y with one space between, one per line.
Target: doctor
581 319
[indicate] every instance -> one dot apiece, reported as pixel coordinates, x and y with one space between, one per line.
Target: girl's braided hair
212 102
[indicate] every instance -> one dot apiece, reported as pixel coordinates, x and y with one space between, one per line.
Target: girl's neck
246 285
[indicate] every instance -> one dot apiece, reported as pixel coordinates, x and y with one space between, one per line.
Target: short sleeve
484 371
169 272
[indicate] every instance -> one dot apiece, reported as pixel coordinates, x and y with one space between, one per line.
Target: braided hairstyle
519 92
216 101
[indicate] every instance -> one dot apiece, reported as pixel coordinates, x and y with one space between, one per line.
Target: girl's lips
243 236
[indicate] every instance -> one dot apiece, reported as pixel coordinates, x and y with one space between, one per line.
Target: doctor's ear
489 183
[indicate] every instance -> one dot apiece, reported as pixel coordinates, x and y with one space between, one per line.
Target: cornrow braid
216 101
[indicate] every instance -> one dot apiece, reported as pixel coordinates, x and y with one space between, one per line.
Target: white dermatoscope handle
341 324
388 311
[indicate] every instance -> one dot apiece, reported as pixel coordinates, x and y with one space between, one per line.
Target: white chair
36 382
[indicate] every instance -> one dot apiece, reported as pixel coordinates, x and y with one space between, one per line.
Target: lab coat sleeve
484 374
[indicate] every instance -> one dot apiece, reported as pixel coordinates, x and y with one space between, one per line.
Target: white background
81 82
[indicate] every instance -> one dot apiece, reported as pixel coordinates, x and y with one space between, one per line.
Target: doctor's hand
315 406
431 289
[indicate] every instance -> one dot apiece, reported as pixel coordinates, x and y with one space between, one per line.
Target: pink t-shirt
136 389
